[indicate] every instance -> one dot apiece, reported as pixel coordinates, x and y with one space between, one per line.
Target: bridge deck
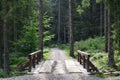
59 67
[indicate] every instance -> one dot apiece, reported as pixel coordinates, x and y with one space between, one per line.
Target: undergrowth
46 53
95 47
16 60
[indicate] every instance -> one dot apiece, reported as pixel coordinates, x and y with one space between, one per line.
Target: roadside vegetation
19 59
95 47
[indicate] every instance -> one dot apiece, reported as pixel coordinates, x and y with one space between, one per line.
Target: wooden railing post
37 58
83 61
40 55
78 57
33 61
30 63
87 63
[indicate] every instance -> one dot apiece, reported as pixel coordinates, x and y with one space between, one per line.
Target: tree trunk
119 44
64 34
1 60
118 22
0 39
15 30
111 61
41 26
59 21
101 17
71 29
105 30
5 34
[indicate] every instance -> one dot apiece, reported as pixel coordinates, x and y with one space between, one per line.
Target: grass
46 53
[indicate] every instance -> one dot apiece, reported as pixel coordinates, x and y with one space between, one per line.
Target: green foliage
95 47
91 45
46 54
18 60
28 43
2 73
117 60
113 6
98 1
47 27
15 62
80 10
85 3
116 35
101 62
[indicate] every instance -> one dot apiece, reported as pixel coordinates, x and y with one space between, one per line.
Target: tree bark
59 21
111 61
119 45
64 34
101 17
1 60
41 25
15 30
105 30
71 29
5 35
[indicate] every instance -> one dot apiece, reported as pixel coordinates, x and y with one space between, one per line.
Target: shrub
2 73
46 53
90 45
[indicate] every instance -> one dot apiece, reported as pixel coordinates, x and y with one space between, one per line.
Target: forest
92 26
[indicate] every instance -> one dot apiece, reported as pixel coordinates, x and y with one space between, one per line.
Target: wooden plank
47 66
72 66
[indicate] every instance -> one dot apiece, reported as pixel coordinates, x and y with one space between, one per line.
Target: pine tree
71 29
59 20
5 35
111 61
41 25
106 29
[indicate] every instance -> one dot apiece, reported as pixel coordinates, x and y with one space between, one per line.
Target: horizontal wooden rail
84 59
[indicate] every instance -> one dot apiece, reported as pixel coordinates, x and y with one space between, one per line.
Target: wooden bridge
36 65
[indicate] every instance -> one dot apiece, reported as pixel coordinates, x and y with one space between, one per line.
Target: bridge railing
84 59
33 59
